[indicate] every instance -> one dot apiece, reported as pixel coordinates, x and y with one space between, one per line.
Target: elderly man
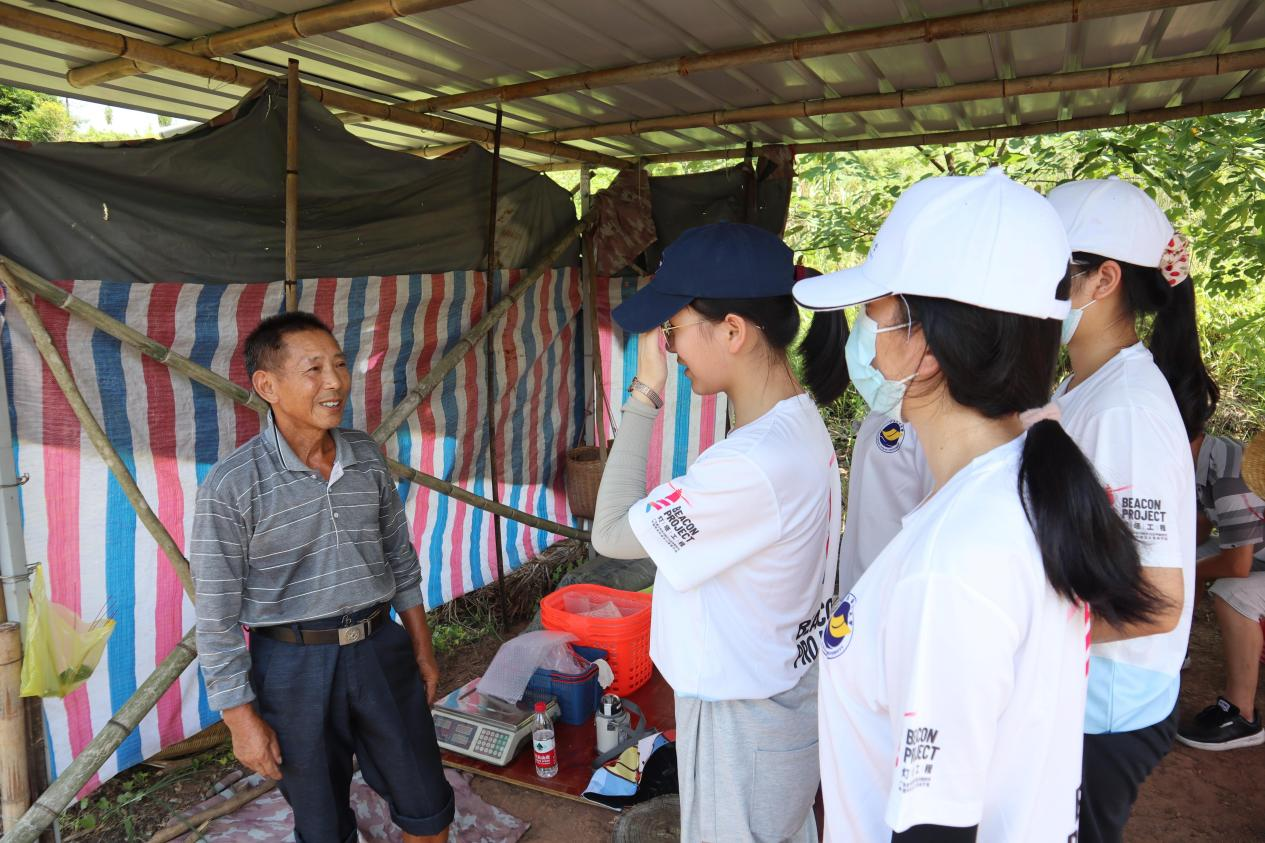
300 536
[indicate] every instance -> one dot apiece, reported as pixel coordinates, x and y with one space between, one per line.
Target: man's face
309 384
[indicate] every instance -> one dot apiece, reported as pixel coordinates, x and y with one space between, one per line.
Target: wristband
654 397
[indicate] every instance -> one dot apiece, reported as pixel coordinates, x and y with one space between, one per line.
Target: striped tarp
170 431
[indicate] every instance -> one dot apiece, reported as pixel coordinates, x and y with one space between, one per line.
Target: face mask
882 396
1072 320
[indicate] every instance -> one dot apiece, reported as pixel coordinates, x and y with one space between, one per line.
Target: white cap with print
982 240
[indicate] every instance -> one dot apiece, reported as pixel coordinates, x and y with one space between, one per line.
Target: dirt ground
1193 796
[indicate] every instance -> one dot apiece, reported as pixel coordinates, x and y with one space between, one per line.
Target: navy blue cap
724 260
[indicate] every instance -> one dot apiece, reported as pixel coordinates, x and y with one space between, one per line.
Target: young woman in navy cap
745 541
953 683
1133 410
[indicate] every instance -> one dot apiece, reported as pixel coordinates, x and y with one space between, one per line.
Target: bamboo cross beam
1213 65
992 21
69 32
60 793
31 283
265 33
1079 124
477 331
292 186
105 448
456 492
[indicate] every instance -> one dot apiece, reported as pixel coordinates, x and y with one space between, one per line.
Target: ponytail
1003 363
1088 552
1174 337
821 351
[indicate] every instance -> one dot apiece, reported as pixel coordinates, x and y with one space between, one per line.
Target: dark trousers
1113 768
327 703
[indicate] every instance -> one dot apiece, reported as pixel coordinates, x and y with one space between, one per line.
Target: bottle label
545 752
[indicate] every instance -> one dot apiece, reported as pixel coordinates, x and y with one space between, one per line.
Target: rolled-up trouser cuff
427 825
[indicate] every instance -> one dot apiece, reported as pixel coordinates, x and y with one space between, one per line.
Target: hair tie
1050 412
1175 262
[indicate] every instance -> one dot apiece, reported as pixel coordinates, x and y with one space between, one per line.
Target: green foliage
14 104
47 122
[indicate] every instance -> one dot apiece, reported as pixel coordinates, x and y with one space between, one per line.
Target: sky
93 116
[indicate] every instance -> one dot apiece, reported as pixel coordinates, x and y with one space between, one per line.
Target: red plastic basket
626 639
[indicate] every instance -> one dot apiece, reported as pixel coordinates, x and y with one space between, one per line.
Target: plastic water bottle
543 745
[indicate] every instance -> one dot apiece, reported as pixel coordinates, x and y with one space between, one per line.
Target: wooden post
589 281
61 373
14 783
35 285
89 760
490 374
292 186
69 32
477 332
265 33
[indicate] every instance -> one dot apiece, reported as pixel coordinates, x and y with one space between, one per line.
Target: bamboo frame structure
489 375
292 186
1079 124
28 281
478 331
92 428
1046 13
1162 71
60 793
276 30
69 32
15 786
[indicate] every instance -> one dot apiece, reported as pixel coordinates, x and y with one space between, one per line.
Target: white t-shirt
741 543
953 683
888 478
1125 419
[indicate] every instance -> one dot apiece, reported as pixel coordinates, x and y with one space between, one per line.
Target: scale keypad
491 743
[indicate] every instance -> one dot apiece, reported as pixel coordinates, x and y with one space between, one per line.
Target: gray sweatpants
748 769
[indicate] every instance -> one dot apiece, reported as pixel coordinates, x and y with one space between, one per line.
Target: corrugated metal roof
485 43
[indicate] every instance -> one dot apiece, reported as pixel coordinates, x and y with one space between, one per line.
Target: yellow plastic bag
61 649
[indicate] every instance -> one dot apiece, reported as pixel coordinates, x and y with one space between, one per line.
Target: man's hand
414 621
254 742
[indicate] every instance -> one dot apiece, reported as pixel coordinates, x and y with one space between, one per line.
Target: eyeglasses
667 328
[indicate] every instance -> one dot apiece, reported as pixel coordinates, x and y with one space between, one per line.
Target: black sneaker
1219 727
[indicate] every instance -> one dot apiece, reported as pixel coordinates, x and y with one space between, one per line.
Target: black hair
263 343
1003 363
1174 336
821 350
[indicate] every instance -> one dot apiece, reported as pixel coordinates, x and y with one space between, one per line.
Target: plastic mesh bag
60 649
507 676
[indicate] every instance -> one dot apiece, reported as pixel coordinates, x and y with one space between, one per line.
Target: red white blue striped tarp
170 431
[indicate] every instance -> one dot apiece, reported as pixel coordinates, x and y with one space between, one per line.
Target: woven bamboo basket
583 476
1254 464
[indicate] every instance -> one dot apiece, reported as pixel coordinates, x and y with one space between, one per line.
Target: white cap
983 240
1113 219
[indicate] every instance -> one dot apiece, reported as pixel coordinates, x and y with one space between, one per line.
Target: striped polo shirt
1226 501
274 543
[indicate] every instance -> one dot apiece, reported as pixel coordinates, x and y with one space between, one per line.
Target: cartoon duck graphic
838 632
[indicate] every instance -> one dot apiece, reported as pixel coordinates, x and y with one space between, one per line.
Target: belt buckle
353 634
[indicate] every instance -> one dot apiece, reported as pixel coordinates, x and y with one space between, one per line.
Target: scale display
485 728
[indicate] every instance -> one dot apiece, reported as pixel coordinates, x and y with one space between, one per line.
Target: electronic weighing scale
486 728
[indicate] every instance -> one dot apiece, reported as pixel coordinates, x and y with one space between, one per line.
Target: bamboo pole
105 448
15 787
477 331
993 21
60 793
1214 65
69 32
265 33
457 493
1080 124
490 375
35 285
589 279
292 186
192 823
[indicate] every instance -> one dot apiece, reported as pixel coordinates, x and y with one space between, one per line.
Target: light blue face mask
1072 320
882 395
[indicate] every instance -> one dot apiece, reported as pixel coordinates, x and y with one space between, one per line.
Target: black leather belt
342 635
